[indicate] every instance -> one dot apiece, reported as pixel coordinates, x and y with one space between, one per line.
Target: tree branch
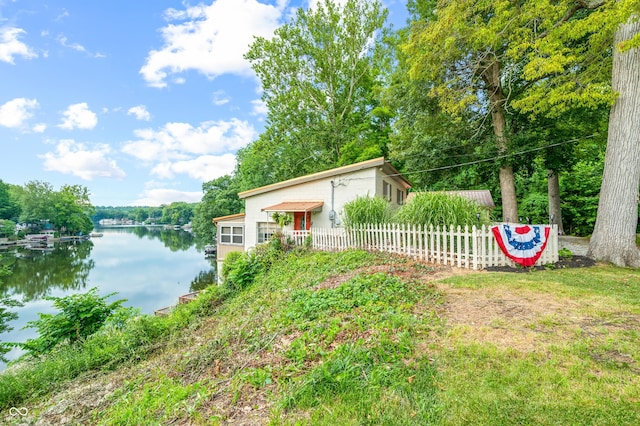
580 4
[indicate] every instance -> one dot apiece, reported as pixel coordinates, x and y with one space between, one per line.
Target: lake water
150 267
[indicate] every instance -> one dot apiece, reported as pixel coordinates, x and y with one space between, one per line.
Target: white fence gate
474 248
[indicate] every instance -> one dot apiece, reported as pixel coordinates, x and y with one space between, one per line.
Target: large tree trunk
613 238
553 191
508 192
497 98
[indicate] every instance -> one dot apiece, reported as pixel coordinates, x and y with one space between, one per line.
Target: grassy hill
359 338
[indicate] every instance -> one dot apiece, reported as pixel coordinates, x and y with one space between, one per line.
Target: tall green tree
7 228
492 56
72 210
427 143
37 202
140 214
9 208
318 75
220 199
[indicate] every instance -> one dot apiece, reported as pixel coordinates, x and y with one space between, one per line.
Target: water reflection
150 267
173 240
203 280
34 274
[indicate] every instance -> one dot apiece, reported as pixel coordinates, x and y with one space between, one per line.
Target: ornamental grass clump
367 211
441 209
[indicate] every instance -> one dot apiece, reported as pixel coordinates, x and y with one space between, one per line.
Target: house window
400 196
265 231
231 235
386 190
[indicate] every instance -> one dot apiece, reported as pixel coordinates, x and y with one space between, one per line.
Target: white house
314 200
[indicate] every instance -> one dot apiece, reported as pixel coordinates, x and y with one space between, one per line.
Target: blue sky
140 101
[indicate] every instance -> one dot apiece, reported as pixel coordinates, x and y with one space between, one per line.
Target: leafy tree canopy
318 75
9 207
220 199
551 55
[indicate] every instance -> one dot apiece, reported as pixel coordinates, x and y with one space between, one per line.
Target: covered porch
301 214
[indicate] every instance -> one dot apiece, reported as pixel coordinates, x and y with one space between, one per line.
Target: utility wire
470 143
498 157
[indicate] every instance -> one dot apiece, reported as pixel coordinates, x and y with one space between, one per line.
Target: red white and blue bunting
523 244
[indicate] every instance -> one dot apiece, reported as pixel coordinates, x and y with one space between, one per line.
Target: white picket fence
474 248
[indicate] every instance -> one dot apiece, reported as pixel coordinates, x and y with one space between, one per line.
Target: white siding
347 188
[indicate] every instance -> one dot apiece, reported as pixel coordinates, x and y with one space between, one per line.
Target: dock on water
185 298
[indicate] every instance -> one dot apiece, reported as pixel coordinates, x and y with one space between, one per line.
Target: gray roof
481 196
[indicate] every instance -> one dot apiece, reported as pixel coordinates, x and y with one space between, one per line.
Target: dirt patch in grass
523 320
406 269
244 406
504 318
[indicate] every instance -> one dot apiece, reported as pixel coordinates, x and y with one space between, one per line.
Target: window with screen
232 234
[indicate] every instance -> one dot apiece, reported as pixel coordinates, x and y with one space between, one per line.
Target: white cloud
182 141
140 112
10 46
16 112
159 196
76 159
259 107
211 39
204 167
39 128
220 98
64 14
62 39
74 46
79 116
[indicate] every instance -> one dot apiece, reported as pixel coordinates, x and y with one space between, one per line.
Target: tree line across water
69 210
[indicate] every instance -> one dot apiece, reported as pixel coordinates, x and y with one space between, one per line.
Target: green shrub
535 206
228 263
242 272
580 194
279 243
441 209
565 253
367 211
239 269
6 316
124 337
7 228
270 253
80 316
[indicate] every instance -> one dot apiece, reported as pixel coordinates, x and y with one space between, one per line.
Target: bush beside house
427 208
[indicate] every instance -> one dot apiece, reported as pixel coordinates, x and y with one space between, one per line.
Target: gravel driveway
577 245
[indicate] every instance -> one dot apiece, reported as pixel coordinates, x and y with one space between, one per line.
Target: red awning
295 206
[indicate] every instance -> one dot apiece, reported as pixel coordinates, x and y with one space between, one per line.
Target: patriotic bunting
523 244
